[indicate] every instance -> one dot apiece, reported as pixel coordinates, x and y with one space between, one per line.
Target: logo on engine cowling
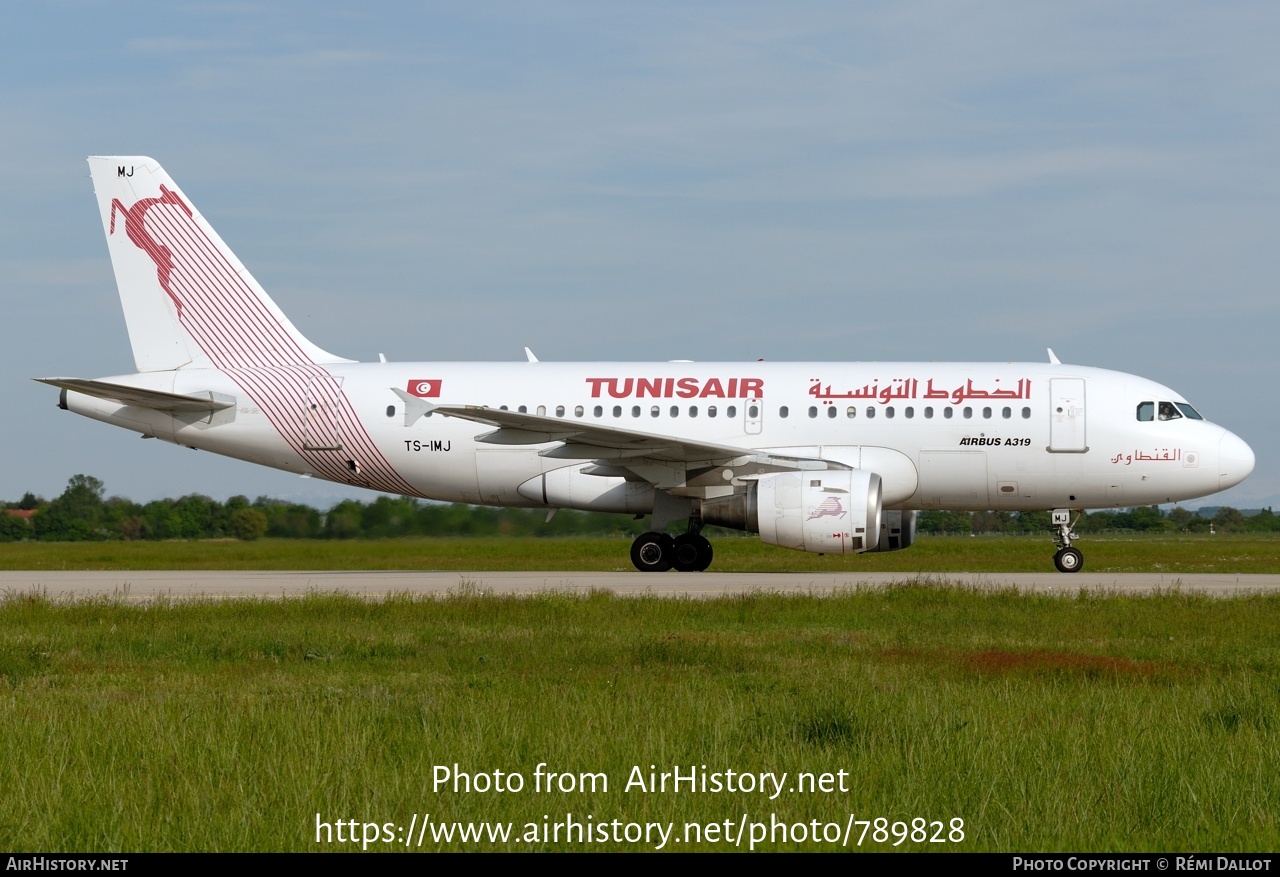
828 508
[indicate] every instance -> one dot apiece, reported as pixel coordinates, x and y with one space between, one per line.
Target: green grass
930 554
1091 722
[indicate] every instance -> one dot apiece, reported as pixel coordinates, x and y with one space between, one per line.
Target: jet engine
835 511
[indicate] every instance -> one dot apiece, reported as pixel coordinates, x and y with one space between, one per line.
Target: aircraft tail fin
188 301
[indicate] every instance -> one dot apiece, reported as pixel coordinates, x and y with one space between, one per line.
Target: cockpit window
1146 411
1168 412
1188 411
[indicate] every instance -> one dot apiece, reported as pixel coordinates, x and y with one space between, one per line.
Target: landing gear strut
658 552
1067 559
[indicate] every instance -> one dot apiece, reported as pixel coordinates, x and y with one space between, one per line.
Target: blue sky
897 181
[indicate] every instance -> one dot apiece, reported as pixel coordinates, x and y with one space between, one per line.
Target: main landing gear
1067 559
658 552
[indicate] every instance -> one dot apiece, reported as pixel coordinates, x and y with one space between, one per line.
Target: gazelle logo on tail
135 227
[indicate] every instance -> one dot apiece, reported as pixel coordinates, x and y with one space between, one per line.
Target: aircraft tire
1068 560
692 553
705 554
653 552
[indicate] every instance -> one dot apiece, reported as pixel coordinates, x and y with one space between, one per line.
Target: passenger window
1006 413
831 412
391 411
559 411
542 410
598 411
888 412
851 413
523 409
783 411
617 410
813 411
946 412
578 412
871 412
1026 413
1146 411
928 412
986 413
753 412
731 411
693 410
711 411
909 412
655 411
635 410
675 410
968 412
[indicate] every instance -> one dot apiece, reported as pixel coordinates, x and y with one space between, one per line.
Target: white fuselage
1016 436
818 457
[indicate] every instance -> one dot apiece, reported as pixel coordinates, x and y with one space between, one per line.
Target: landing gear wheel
1068 560
692 553
653 552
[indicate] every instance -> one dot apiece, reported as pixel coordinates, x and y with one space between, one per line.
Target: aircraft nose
1235 460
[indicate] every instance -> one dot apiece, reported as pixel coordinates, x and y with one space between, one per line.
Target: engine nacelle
571 488
897 530
835 511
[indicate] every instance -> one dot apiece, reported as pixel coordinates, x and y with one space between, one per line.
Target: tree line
83 512
1143 519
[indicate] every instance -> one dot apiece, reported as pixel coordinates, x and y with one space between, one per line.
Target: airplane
822 457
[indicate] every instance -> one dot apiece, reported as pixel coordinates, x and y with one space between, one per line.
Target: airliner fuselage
824 457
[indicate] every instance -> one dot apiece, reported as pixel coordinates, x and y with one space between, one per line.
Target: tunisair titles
753 388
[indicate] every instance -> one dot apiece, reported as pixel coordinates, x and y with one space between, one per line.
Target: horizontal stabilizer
139 398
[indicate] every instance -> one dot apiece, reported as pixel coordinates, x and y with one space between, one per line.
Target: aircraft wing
140 398
592 441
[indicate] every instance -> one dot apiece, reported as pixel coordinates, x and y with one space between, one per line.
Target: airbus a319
824 457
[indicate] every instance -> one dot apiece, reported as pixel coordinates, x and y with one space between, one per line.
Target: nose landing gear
1067 559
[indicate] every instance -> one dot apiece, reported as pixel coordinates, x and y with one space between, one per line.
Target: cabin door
1066 416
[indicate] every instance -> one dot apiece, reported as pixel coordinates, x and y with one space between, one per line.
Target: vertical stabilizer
188 301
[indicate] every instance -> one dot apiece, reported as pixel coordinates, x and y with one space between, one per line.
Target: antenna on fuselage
1053 357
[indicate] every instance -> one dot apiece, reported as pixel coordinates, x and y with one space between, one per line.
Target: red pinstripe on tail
222 318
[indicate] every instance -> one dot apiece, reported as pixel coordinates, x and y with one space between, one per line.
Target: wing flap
585 441
660 459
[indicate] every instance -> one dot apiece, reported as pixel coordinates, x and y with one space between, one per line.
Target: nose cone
1235 461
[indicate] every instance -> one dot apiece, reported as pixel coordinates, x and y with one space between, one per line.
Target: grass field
930 554
1044 723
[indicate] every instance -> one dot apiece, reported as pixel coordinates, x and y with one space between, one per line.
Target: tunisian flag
426 389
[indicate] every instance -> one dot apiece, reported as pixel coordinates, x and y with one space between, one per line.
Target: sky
971 181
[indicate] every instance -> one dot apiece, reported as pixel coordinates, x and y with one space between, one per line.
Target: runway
145 585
